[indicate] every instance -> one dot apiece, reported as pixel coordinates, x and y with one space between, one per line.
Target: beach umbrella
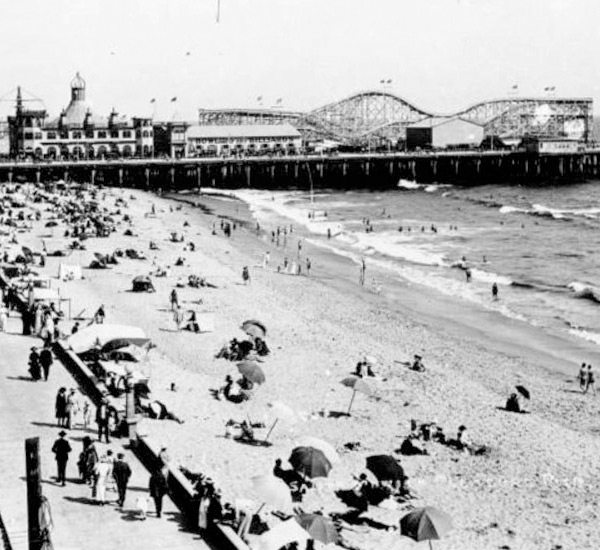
282 413
106 337
272 491
357 385
51 223
281 535
385 467
319 527
251 371
523 391
425 524
254 328
326 448
310 461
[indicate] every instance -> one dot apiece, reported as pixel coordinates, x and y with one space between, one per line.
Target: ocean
538 244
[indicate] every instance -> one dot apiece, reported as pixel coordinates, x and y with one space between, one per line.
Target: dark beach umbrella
251 371
254 328
385 467
319 527
310 461
51 223
425 524
523 391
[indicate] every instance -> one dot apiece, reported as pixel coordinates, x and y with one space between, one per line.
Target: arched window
127 151
102 152
51 154
38 153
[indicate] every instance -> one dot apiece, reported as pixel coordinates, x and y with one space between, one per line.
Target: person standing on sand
245 275
363 269
174 300
582 377
495 292
590 383
308 266
468 274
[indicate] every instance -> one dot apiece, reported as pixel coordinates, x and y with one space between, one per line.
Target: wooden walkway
27 410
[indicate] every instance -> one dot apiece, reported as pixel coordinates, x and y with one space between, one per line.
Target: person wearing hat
34 364
121 474
102 416
61 450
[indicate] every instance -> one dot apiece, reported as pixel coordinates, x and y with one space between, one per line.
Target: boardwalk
27 410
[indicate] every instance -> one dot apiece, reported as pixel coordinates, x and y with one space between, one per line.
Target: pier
350 171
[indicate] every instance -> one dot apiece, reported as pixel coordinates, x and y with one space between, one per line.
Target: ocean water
539 244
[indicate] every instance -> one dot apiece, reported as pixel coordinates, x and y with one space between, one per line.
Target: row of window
88 134
233 141
80 152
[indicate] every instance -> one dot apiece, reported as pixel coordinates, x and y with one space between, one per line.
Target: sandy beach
537 488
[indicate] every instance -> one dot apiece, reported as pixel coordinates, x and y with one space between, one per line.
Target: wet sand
537 489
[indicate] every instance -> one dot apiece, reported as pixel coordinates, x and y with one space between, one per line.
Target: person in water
495 291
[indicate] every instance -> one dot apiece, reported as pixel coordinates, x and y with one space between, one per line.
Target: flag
259 98
153 100
382 82
389 81
173 99
515 86
552 89
279 101
546 89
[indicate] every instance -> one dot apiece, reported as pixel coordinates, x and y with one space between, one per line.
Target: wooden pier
364 171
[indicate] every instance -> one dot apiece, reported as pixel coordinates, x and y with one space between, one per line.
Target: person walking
61 450
159 488
495 292
72 408
121 474
101 472
46 361
590 381
308 266
102 417
60 407
34 365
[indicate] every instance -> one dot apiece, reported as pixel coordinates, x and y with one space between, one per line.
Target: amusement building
77 133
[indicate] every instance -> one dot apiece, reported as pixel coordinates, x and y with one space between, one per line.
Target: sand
539 486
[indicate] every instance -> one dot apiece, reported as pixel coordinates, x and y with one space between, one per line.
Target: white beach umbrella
281 535
282 413
106 336
273 491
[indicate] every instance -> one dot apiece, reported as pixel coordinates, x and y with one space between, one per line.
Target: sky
441 55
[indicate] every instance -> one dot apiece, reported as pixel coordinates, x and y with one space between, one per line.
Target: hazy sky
441 54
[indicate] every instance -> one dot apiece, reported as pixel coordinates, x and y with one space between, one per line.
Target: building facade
77 133
444 132
242 139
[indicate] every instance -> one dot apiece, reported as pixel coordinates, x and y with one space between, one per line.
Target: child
142 505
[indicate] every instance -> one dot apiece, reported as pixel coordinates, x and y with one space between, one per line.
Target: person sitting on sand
513 404
192 323
247 433
418 364
411 446
296 482
228 393
260 346
180 262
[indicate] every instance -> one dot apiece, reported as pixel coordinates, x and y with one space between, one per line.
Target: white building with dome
78 133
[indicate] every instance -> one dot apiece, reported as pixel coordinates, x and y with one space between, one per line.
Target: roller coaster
373 116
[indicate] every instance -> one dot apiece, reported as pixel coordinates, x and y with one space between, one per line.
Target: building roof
243 131
434 121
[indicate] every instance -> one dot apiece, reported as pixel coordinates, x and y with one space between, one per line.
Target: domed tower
77 88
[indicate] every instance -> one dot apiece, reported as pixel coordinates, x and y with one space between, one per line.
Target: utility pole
34 492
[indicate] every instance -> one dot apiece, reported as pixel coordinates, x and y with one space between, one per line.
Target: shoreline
319 326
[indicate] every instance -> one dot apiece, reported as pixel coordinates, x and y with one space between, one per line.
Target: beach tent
106 337
142 284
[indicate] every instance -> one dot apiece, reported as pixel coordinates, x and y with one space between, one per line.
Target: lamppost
130 417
